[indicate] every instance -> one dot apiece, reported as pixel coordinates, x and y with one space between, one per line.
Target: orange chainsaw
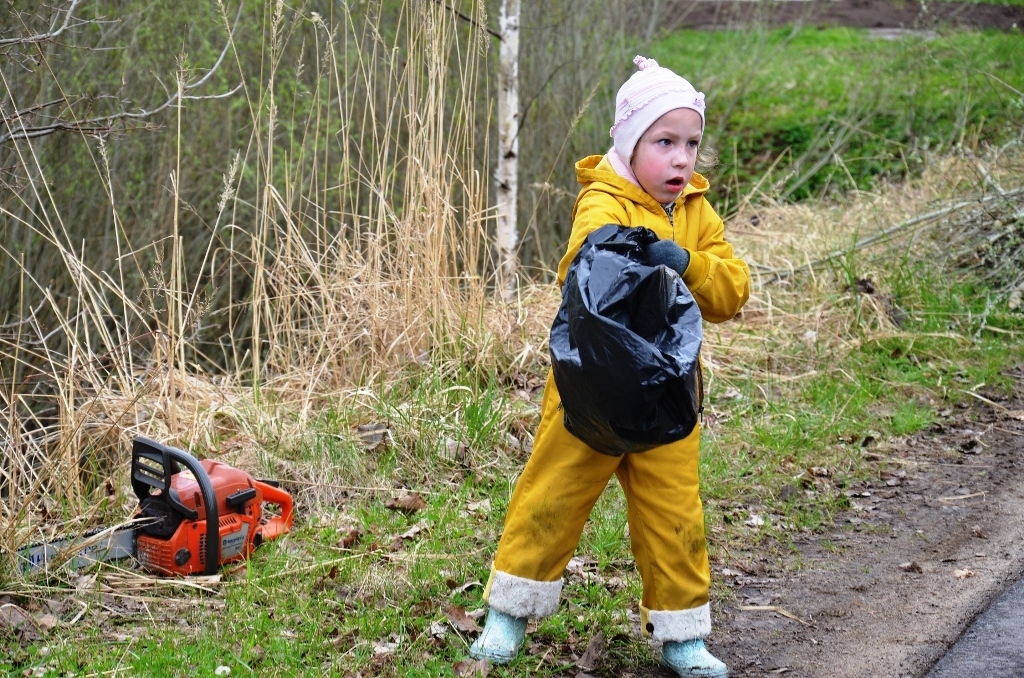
178 508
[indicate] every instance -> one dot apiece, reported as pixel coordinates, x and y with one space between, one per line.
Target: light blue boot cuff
690 659
501 638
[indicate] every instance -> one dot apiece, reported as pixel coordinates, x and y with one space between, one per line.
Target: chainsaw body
200 516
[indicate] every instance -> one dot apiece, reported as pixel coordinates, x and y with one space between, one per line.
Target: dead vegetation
821 278
823 271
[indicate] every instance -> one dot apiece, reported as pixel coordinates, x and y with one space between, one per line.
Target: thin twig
986 400
465 17
42 37
773 608
104 124
984 173
958 497
780 273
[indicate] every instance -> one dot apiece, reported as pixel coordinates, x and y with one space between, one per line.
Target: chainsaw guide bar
169 533
92 547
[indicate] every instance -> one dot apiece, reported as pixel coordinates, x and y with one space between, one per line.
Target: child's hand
668 253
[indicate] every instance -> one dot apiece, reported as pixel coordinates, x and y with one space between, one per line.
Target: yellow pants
553 499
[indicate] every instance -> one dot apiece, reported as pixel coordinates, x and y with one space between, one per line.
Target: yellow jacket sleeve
719 282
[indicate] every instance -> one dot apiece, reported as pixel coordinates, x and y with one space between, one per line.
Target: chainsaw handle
278 525
163 462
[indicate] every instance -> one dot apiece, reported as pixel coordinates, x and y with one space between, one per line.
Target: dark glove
668 253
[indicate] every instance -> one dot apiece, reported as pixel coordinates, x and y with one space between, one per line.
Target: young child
646 179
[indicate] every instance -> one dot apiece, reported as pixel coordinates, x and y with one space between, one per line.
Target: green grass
887 388
837 109
310 604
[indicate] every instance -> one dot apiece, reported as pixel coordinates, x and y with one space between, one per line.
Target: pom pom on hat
649 93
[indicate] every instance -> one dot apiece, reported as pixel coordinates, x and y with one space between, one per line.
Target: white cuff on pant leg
677 625
521 597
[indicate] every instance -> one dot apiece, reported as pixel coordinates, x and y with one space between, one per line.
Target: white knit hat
649 94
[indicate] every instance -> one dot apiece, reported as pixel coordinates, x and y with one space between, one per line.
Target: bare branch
222 95
37 107
18 129
465 17
49 35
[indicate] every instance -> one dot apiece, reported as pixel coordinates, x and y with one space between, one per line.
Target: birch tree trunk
506 174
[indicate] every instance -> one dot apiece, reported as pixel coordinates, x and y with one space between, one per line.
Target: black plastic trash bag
625 345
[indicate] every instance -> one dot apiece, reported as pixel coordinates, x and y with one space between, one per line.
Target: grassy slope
793 97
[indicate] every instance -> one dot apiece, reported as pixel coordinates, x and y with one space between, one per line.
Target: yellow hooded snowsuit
564 477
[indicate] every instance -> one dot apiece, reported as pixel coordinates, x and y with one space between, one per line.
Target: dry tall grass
824 271
351 248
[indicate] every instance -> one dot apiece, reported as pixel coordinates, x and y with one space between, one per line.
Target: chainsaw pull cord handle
278 525
170 458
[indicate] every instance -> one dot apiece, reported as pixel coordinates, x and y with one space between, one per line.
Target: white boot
501 638
690 659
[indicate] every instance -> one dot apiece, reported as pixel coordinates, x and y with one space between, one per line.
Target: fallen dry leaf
615 584
85 581
574 567
455 450
472 669
382 647
371 436
460 620
593 654
350 536
465 586
14 617
754 521
413 531
408 502
963 574
47 622
483 506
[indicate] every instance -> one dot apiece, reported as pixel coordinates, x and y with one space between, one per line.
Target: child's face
664 157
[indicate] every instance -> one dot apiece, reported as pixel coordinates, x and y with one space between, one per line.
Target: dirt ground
923 550
877 14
